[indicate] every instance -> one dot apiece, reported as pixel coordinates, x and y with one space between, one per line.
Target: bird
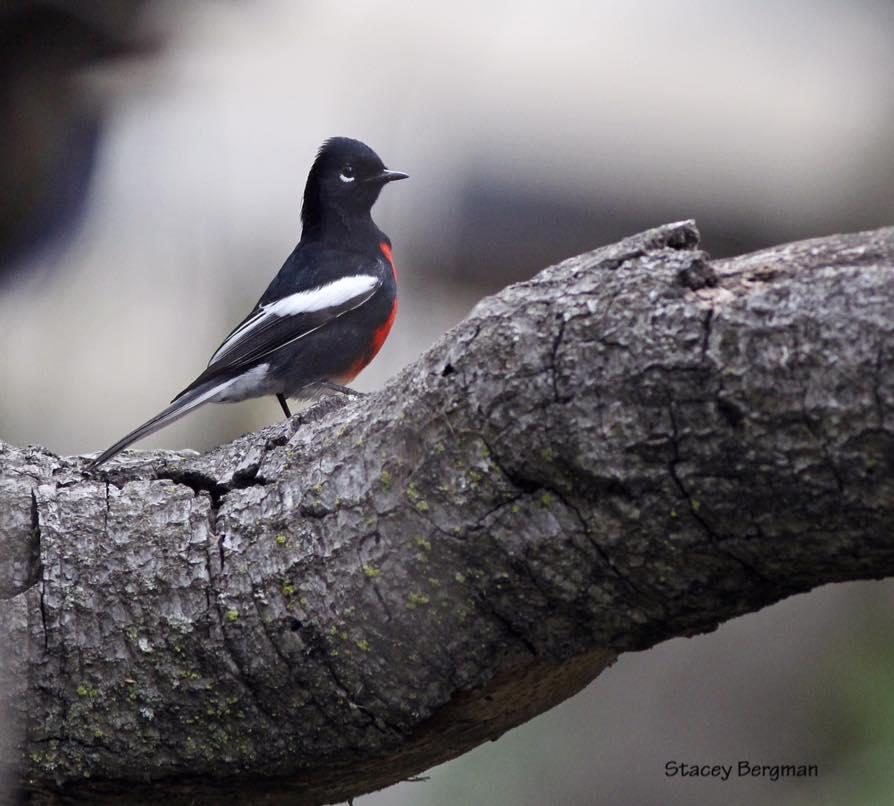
326 313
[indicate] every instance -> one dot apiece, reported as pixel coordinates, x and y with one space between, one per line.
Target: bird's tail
181 406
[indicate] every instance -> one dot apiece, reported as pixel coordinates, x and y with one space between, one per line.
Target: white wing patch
330 295
324 296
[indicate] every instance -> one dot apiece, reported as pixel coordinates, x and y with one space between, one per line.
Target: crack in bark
557 341
220 551
509 628
527 487
817 433
378 594
706 325
646 596
716 540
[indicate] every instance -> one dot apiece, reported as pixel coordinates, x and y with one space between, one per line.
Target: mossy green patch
362 645
232 615
371 571
281 540
414 600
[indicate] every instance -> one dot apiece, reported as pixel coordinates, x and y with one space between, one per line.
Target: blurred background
153 156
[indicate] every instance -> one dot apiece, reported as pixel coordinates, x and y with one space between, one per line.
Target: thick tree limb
634 445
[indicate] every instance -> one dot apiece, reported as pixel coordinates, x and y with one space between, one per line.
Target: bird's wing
276 324
273 325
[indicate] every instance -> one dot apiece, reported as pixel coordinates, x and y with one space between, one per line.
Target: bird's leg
345 390
285 406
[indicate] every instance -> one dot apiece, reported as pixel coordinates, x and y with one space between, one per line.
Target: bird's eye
347 174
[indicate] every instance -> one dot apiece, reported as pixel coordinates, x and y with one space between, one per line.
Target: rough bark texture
636 444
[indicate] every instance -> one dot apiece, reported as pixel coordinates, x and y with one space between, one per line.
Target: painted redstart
326 313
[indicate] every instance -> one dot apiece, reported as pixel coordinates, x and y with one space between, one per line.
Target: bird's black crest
339 148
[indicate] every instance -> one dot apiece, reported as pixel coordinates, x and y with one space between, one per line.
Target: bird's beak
388 176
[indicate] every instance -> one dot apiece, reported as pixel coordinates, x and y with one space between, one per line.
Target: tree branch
636 444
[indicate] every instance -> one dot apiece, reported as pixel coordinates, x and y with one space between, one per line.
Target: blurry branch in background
49 128
636 444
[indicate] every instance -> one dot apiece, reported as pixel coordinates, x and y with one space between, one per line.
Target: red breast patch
381 332
386 250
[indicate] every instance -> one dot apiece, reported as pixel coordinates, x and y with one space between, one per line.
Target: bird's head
345 180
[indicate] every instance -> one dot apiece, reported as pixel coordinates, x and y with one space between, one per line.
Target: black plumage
325 314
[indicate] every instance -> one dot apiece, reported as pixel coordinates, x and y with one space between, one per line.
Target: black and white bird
328 310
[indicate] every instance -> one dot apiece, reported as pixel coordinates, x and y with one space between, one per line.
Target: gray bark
634 445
